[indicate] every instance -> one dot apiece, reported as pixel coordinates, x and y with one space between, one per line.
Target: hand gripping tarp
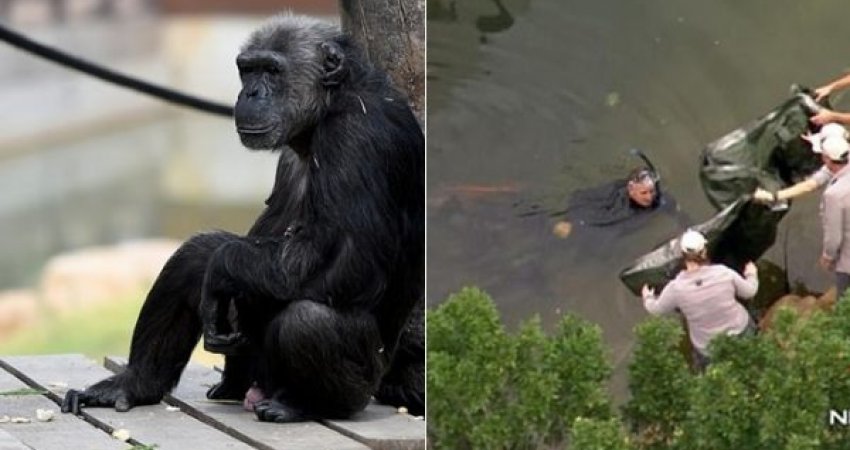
767 152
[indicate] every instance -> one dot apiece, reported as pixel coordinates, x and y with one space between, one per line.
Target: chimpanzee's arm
316 263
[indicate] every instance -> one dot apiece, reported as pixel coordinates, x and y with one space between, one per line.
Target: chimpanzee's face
285 88
261 109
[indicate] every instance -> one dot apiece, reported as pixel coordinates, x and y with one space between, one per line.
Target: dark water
531 99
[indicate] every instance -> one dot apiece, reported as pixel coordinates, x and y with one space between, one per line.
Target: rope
17 40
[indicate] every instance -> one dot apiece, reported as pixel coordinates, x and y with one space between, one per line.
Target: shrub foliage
491 389
527 390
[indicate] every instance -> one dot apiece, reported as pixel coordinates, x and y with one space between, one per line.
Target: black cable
15 39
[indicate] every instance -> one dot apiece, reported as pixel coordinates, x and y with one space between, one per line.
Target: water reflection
495 23
86 163
552 102
466 25
147 179
486 22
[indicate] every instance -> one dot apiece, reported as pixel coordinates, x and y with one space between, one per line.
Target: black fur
311 304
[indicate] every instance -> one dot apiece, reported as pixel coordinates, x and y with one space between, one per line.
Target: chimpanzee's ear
333 63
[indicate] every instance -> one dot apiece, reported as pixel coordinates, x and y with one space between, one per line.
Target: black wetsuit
608 204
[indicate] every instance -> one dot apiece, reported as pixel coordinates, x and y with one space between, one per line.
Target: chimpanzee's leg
240 368
166 331
404 382
319 362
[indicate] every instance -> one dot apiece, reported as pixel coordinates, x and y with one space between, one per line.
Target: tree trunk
392 33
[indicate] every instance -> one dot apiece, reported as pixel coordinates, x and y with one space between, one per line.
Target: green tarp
767 152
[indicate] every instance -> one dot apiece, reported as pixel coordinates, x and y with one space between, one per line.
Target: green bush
489 389
773 391
838 376
660 383
721 415
469 360
595 434
531 388
578 360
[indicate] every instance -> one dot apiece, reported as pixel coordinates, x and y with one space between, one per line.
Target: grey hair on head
281 30
642 176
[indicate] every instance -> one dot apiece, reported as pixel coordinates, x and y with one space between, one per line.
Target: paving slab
216 424
382 427
190 396
9 442
149 425
64 431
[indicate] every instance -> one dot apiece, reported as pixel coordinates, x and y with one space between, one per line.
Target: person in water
706 296
612 203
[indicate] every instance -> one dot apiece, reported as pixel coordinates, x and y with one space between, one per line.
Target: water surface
531 99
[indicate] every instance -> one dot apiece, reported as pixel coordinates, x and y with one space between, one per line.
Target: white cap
832 129
831 141
835 148
692 242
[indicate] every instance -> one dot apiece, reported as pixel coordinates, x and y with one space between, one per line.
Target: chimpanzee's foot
75 399
398 395
252 397
224 390
226 344
108 392
270 410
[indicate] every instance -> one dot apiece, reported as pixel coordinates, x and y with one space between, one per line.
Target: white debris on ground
402 410
121 434
44 415
172 408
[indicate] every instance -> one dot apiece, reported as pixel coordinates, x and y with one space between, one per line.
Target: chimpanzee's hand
221 332
226 344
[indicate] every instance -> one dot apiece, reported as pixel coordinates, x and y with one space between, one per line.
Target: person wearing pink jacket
706 295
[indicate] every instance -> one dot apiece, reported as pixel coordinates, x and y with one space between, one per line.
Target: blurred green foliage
660 383
491 389
596 434
96 331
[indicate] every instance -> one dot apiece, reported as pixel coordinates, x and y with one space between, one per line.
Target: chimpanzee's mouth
255 130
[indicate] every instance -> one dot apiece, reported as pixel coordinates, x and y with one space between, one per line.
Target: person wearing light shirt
706 295
832 146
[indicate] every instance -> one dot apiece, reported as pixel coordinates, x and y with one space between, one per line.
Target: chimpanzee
311 306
